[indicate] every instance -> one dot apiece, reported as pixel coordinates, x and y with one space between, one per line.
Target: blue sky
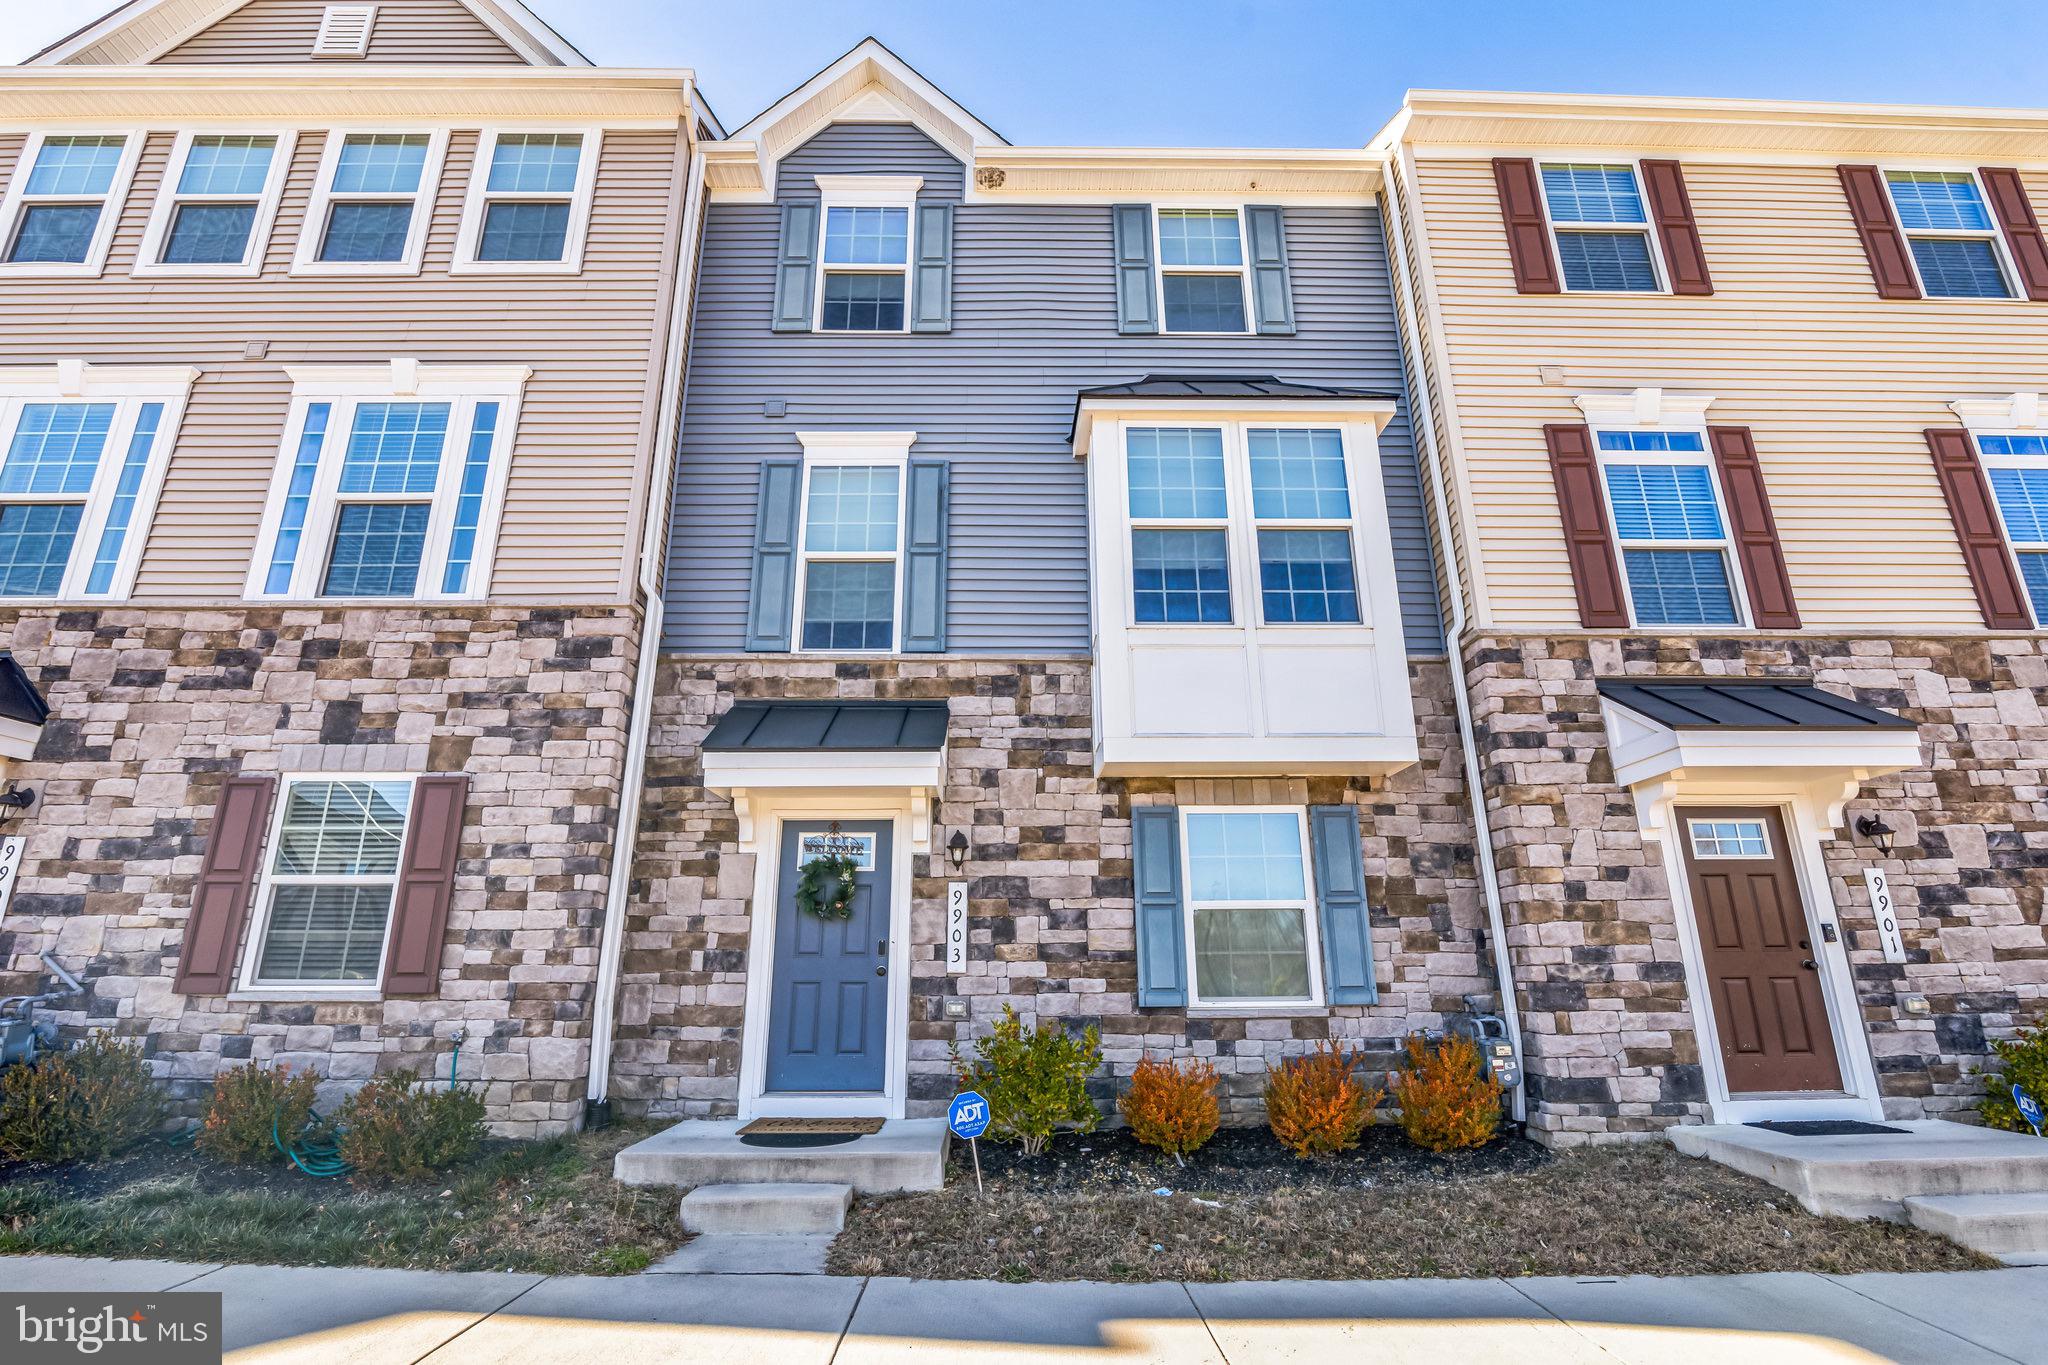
1289 72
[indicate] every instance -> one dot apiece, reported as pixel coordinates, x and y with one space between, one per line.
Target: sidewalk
370 1317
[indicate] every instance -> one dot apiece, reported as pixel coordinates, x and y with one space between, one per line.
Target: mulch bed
154 1161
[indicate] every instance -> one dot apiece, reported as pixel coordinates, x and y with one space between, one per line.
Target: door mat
789 1141
855 1127
1827 1128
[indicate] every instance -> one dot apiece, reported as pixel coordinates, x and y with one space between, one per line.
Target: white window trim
128 387
268 880
1312 942
1704 457
1648 227
865 191
401 381
112 205
2008 270
857 449
313 228
2014 547
479 197
156 235
1242 270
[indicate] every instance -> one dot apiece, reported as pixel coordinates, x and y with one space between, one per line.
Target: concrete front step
767 1210
908 1154
1995 1224
1873 1175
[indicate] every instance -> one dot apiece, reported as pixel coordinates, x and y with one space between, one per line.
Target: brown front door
1760 960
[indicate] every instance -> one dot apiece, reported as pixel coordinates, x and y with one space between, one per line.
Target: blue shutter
1340 906
1272 296
1135 297
931 289
771 596
796 262
924 567
1155 880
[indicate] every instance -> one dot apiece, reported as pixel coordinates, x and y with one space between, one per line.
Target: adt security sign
968 1118
2029 1107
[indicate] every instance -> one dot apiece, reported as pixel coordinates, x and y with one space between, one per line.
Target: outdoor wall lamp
1875 830
15 798
956 849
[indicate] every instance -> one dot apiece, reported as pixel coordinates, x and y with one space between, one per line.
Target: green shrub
1036 1083
399 1128
249 1105
2022 1061
83 1105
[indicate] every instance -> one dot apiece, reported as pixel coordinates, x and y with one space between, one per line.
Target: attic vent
344 30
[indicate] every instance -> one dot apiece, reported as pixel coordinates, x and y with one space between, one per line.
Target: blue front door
828 1012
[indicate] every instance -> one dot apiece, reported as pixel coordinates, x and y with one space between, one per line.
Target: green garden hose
316 1156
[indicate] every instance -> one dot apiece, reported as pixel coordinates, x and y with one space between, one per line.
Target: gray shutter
796 262
771 598
924 567
1135 296
1155 880
1272 297
931 289
1340 906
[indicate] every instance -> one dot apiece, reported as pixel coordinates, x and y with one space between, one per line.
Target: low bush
398 1127
251 1107
1448 1095
82 1105
2021 1061
1316 1104
1171 1105
1036 1083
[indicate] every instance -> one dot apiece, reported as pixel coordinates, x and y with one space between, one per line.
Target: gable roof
139 31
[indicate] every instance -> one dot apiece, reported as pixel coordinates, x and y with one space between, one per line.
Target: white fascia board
916 769
1378 411
18 738
1256 756
1280 175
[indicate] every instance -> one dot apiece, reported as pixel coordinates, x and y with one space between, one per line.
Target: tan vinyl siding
438 32
570 517
1836 384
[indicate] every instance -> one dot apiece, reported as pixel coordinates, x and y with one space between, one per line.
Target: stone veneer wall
1612 1046
152 709
1050 884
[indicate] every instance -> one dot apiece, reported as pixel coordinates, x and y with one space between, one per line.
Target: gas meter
1490 1033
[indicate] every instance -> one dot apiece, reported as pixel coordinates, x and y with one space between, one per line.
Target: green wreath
826 887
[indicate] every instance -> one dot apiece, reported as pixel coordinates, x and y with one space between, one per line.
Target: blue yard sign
967 1116
2029 1107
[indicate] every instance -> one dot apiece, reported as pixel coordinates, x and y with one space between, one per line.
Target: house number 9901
1887 914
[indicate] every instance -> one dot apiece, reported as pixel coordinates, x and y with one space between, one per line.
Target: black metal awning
1240 388
19 699
843 726
1696 704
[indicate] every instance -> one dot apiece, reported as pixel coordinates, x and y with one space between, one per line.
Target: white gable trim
518 26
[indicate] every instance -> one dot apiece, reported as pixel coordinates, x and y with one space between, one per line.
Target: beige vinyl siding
1836 384
571 516
438 32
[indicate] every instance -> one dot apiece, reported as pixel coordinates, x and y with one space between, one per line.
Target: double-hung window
1201 270
1251 907
851 555
1180 525
374 197
61 209
2017 467
1954 241
1663 497
331 875
79 477
388 494
1601 228
865 249
1301 503
528 209
214 215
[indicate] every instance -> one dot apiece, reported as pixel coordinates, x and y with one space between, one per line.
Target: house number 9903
956 926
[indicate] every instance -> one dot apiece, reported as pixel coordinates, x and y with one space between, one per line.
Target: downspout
1425 439
653 543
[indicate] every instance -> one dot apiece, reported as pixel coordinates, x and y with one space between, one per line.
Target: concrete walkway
369 1317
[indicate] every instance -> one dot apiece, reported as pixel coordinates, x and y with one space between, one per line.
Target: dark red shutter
2022 229
1756 534
227 881
1521 208
1870 204
1679 235
426 885
1999 594
1582 502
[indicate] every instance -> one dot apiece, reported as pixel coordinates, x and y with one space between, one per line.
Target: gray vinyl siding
1034 321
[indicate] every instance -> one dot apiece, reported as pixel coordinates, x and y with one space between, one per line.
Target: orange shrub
1171 1105
1316 1105
1449 1097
